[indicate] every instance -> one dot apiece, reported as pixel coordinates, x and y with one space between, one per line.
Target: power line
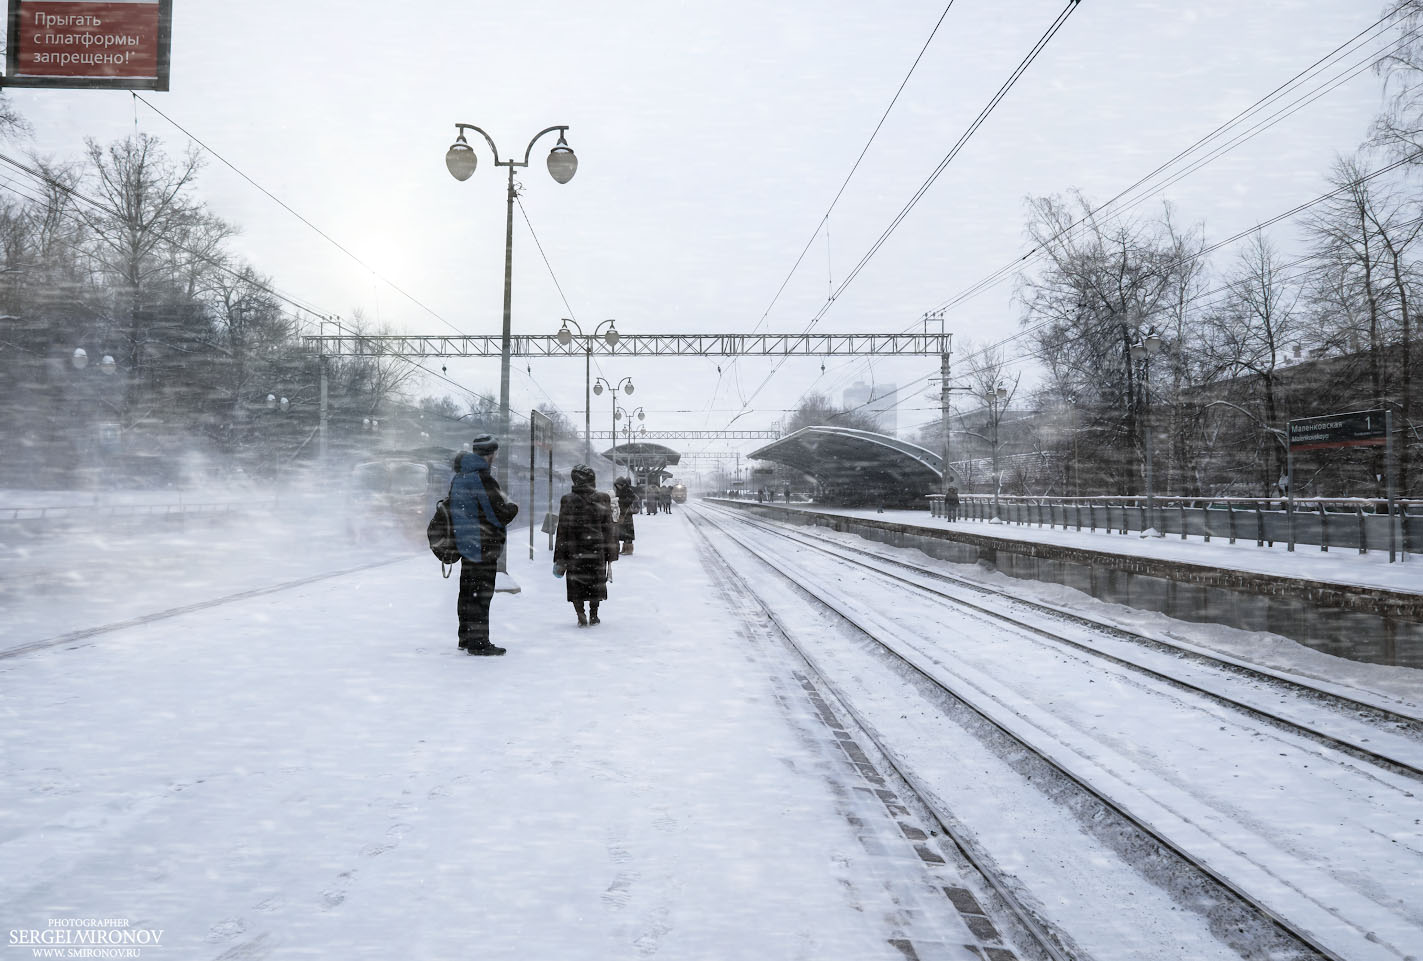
823 223
1362 37
1034 52
854 167
277 200
1319 66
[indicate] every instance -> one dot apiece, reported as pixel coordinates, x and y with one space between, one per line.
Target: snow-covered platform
1352 605
317 772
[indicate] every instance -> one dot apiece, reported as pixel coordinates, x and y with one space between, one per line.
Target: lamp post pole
640 415
565 337
624 385
461 160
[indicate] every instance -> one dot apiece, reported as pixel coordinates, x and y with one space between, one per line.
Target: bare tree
1253 334
1398 129
816 410
1106 281
145 201
1363 238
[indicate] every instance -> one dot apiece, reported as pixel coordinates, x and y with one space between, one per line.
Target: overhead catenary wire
339 246
1028 59
823 223
281 203
290 300
1112 208
1359 39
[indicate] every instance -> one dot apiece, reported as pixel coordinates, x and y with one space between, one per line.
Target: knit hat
484 444
582 476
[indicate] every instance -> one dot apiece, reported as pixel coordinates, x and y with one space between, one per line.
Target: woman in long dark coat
627 507
586 544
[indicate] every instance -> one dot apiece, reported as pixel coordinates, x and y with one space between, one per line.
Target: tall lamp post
641 415
1142 351
619 414
565 337
624 385
93 435
461 160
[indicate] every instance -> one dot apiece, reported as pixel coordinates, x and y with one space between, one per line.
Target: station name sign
1360 428
88 44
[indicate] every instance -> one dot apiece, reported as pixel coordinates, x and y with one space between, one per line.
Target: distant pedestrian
481 514
627 507
586 543
649 499
951 503
760 495
788 493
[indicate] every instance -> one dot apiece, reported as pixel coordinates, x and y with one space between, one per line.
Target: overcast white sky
711 139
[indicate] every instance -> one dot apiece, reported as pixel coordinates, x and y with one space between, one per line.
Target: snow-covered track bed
1106 793
78 636
1362 723
1020 918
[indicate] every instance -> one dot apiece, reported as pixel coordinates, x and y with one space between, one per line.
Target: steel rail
1042 932
1413 722
1220 880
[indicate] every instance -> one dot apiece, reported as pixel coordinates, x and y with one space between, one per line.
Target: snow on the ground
1337 565
1402 685
318 773
1329 848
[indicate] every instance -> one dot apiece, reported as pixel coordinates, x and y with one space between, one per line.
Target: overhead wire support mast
693 345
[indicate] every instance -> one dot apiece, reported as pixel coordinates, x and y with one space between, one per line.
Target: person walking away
649 499
586 543
481 514
951 503
627 506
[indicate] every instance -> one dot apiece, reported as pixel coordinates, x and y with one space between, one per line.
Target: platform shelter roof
840 458
643 457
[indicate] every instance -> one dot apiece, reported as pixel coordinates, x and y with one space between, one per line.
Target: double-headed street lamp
1142 351
619 414
565 337
640 415
461 160
624 385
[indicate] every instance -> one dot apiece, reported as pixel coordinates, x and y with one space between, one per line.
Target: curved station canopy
645 460
859 467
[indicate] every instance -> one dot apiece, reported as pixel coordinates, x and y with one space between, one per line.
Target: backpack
440 532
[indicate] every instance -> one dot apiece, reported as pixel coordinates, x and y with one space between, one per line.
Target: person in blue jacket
481 514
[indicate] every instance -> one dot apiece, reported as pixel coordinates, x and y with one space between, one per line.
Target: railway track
1023 921
1397 745
73 637
1307 912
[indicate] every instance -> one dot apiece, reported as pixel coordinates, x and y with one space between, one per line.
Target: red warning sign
83 43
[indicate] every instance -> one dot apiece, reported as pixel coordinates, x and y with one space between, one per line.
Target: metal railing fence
1358 523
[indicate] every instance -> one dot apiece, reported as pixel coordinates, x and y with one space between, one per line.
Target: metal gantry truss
632 345
641 435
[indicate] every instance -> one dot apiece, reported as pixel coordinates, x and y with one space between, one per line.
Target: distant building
876 400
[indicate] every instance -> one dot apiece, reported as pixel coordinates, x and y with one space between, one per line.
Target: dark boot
484 650
593 613
583 618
